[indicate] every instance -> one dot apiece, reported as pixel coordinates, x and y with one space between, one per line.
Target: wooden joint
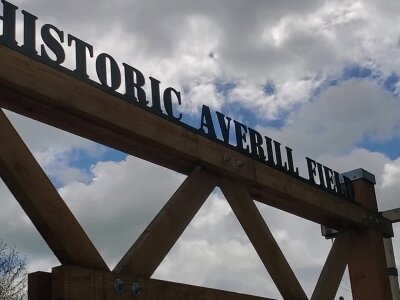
74 283
381 224
156 241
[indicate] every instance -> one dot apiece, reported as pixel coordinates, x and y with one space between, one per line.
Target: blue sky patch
391 148
390 82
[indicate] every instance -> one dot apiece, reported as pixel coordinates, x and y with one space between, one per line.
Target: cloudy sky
319 76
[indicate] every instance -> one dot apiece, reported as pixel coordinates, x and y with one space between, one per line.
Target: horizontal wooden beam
73 283
40 92
263 241
393 215
157 240
42 203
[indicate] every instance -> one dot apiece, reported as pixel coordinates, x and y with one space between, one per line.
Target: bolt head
227 159
136 289
119 286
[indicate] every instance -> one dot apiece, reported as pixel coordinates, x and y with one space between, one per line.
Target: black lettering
168 102
278 156
80 55
29 45
289 155
241 131
134 82
321 175
339 189
101 69
52 43
348 187
9 24
256 141
155 95
312 171
224 126
270 151
207 122
330 179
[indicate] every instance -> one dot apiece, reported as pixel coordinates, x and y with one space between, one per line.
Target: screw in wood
136 289
119 286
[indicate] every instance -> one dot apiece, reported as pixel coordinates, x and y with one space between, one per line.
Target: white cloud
191 45
212 252
391 174
56 150
203 93
295 46
340 118
116 206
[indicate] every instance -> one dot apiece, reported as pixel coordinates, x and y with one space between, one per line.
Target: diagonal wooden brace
156 241
333 270
42 203
263 241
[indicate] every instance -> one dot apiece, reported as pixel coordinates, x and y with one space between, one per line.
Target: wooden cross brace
84 274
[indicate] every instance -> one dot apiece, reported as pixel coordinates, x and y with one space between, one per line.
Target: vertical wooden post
367 266
391 264
39 286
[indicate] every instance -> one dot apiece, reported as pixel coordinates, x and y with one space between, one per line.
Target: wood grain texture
42 203
368 272
39 286
74 283
263 241
156 241
333 270
393 215
40 92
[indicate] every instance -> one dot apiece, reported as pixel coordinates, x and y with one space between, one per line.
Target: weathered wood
333 270
75 283
39 286
367 265
156 241
45 94
42 203
393 215
392 269
263 241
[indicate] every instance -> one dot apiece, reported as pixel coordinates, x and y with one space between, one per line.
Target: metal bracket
358 174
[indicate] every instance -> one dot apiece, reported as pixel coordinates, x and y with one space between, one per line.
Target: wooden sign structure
38 91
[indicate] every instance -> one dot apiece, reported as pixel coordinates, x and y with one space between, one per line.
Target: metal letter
224 126
329 177
9 24
270 151
289 155
241 131
134 81
278 156
155 95
207 122
256 141
80 56
311 165
51 42
168 102
101 70
29 45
